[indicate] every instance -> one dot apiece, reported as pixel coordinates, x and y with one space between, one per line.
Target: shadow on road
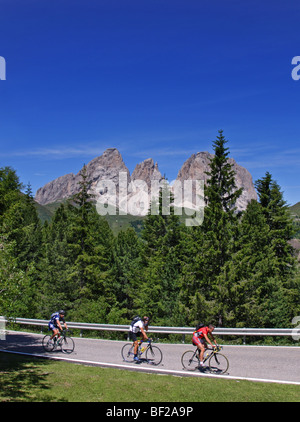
25 343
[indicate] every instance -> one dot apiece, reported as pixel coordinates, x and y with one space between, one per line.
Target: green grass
25 379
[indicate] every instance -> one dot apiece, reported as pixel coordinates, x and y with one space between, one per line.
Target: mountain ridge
110 167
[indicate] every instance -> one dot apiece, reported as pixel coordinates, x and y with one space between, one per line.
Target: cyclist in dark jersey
54 323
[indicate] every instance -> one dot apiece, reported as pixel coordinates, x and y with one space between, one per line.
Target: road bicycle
153 354
66 343
217 362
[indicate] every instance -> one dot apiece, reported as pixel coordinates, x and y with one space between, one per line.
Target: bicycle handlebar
215 348
149 340
65 331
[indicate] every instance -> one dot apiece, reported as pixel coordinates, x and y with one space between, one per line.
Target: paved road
281 364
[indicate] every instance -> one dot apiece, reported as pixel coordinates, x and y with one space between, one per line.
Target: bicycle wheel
48 344
218 363
154 355
190 360
127 352
67 345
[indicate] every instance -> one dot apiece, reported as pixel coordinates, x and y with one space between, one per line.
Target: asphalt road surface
258 363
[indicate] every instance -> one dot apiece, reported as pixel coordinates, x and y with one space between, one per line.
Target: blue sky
153 78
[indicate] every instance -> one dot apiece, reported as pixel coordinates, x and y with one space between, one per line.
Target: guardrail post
183 338
244 340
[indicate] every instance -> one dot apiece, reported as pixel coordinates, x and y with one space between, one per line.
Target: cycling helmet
61 312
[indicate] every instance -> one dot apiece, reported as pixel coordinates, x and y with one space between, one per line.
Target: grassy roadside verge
25 379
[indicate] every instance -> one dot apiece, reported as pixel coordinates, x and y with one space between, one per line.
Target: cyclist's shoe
136 359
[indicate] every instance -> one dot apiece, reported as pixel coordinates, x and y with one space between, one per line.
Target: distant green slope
43 212
295 209
295 213
115 221
46 212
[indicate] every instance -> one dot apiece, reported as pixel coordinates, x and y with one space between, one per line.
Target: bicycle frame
59 337
152 354
214 351
217 362
140 352
65 342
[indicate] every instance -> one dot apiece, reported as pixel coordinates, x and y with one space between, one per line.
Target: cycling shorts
197 340
133 336
52 326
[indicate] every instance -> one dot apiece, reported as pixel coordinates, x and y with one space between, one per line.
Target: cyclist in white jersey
139 328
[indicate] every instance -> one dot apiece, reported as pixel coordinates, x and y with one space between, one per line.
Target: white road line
152 370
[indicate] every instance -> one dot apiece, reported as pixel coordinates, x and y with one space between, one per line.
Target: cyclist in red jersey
200 339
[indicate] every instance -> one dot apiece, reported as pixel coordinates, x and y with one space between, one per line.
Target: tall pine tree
161 235
279 221
220 222
78 259
208 248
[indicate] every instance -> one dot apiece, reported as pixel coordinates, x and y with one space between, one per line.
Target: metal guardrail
164 330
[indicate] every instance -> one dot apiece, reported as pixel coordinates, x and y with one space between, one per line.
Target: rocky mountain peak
111 167
196 166
146 171
105 167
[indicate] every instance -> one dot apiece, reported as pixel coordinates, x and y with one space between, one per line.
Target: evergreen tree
161 228
220 190
20 226
56 265
161 235
23 228
218 233
91 240
195 297
78 258
220 217
10 188
243 282
279 221
127 272
14 285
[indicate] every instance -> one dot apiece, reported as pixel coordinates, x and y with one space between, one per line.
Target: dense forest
236 269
